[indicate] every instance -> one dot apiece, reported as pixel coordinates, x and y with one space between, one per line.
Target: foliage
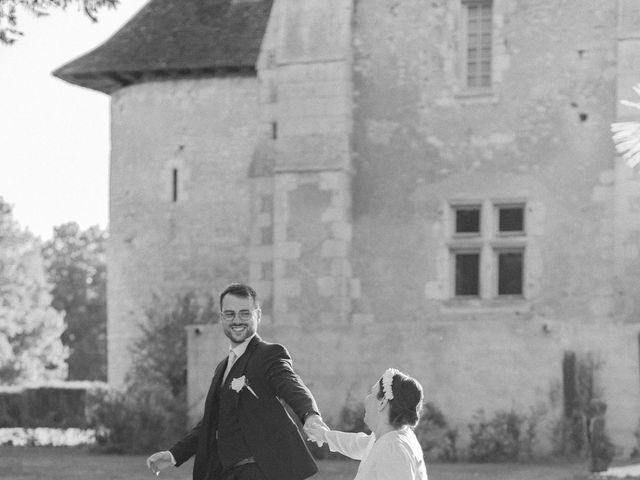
351 418
9 12
436 437
135 421
151 412
54 437
601 449
52 406
636 450
580 390
76 267
506 437
160 351
30 345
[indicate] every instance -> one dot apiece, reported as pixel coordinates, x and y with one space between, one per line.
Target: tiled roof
169 38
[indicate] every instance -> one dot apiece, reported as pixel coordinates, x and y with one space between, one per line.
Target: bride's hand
316 432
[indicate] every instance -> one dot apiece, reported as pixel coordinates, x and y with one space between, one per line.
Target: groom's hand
159 461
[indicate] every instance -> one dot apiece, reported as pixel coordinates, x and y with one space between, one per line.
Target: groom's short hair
240 290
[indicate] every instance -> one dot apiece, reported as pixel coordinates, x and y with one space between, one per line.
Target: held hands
159 461
315 429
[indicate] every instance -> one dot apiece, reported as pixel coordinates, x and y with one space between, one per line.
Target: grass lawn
50 463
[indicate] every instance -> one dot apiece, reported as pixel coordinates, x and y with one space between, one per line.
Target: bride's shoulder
402 442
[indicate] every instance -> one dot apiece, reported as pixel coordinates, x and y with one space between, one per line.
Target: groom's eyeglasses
244 315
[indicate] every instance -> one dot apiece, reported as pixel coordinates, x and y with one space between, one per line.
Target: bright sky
54 136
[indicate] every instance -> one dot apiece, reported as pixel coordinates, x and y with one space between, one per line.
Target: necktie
230 362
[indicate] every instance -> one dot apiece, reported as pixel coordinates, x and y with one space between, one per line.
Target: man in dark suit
246 433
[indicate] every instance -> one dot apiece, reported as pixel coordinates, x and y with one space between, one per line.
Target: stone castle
425 185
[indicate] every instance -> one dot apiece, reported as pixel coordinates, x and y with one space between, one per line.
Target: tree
9 12
76 267
152 408
30 345
160 352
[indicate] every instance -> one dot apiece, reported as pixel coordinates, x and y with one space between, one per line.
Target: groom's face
240 318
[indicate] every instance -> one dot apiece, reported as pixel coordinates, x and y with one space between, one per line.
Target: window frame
466 206
489 242
502 250
465 47
510 233
462 250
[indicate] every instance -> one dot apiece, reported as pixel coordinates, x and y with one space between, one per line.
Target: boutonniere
239 383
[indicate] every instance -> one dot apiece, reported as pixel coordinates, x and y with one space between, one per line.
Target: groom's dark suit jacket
273 438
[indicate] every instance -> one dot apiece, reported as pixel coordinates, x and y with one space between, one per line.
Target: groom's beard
239 332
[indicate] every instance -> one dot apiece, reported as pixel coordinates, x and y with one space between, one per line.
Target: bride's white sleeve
353 445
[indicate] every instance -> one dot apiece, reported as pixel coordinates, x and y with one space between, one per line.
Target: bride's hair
406 405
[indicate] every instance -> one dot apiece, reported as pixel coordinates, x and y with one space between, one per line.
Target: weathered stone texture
486 356
206 129
328 181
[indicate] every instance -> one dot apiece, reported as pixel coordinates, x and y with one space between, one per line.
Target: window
510 270
174 185
467 266
467 220
478 38
510 219
488 262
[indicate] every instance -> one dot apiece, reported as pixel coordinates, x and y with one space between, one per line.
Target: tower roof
173 38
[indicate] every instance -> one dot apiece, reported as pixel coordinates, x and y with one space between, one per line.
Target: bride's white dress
396 455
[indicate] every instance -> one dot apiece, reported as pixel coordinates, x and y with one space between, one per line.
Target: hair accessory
387 383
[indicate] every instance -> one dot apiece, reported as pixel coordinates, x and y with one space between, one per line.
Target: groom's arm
186 448
287 384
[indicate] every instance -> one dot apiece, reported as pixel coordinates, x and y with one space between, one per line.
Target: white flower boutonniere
239 383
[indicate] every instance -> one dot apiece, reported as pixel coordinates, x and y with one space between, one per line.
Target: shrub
136 421
437 439
11 409
160 352
636 450
54 437
150 413
570 436
58 405
351 418
53 407
506 437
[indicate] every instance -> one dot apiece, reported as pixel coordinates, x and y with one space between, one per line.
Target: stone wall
540 135
462 365
206 131
627 182
305 71
329 181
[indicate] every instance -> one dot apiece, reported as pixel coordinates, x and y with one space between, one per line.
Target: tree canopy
10 9
30 329
76 266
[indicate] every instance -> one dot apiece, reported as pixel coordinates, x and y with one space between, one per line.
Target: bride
391 451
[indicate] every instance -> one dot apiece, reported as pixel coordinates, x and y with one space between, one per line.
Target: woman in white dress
391 451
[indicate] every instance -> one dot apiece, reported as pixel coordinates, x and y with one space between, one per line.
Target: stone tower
184 126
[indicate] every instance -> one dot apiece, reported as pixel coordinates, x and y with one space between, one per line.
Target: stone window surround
489 243
464 93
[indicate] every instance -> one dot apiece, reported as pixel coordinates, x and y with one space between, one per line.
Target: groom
245 433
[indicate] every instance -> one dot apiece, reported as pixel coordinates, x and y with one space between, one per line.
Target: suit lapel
219 372
241 364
